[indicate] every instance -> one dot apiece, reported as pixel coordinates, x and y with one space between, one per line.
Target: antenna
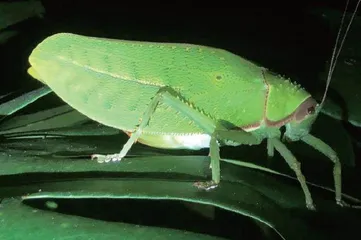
333 58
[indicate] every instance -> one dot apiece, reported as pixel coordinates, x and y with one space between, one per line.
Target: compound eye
311 110
307 108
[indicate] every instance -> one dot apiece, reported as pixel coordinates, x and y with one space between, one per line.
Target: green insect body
173 95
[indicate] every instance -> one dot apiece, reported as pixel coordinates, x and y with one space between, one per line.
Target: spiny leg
134 136
172 99
118 156
167 96
215 130
214 166
322 147
239 137
296 167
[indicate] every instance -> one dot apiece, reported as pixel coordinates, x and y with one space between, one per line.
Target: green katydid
181 96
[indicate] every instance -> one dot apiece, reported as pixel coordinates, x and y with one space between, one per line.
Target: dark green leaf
275 201
5 36
14 12
19 221
22 101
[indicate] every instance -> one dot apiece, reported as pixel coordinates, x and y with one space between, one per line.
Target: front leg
296 167
322 147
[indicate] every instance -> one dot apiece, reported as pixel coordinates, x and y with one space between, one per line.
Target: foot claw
106 158
342 203
100 158
311 206
205 185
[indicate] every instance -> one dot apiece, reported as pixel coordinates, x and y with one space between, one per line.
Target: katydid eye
306 108
311 110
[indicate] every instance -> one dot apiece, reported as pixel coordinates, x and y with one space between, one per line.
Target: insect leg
322 147
135 135
296 167
215 130
270 148
221 133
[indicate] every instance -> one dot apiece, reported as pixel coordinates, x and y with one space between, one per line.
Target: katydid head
302 120
306 114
